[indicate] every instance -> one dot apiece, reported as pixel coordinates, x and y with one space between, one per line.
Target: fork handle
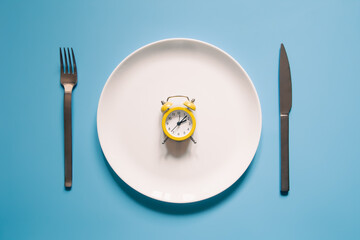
68 138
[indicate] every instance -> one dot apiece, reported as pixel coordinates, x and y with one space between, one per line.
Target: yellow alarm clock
178 122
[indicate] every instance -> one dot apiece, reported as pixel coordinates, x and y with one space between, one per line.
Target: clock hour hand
182 120
179 123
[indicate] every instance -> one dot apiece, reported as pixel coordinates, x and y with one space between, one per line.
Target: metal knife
285 107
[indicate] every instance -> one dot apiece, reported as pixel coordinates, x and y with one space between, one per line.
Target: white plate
228 120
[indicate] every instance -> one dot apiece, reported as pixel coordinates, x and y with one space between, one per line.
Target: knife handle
68 139
284 152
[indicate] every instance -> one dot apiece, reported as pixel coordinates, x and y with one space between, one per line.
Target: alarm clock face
179 124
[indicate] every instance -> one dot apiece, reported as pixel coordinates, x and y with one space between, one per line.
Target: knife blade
285 107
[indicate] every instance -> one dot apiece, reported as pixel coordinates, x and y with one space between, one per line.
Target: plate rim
198 42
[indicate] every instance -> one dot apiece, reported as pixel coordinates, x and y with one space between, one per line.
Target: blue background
322 39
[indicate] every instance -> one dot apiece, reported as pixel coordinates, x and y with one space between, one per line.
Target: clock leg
165 139
192 139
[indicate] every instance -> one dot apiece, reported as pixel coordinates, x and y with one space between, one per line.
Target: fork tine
70 64
66 64
74 62
61 62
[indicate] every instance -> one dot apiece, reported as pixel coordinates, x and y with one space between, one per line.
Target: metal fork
68 79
